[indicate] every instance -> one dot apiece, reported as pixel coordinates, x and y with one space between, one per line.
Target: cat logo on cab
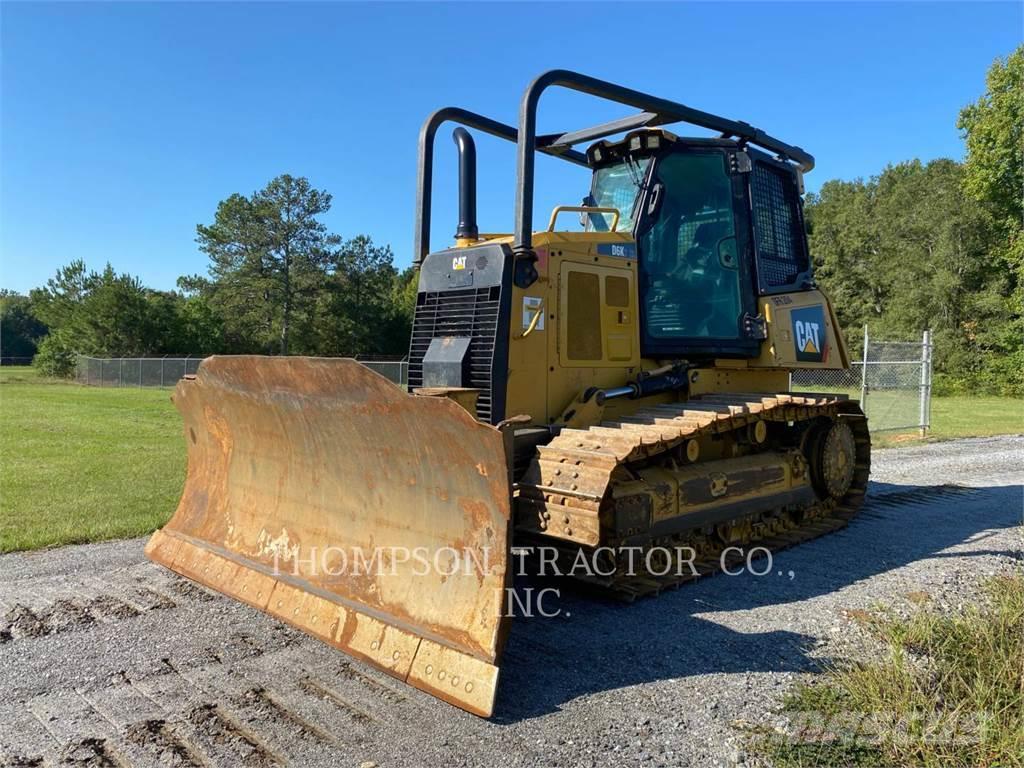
458 262
809 334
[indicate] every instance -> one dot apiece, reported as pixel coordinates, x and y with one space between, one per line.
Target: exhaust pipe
467 229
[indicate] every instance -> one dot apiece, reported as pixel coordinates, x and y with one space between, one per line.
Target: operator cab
716 224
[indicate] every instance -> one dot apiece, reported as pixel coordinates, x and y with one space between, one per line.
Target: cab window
691 286
616 186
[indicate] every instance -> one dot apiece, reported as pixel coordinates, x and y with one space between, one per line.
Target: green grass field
976 416
951 416
84 464
961 416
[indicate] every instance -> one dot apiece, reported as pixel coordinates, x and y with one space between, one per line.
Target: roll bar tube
654 111
666 111
425 164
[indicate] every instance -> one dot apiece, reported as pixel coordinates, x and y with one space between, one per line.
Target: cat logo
809 334
458 262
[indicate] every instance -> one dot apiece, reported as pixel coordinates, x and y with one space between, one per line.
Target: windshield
616 186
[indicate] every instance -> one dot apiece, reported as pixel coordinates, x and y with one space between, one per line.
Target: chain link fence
165 371
134 371
394 368
893 383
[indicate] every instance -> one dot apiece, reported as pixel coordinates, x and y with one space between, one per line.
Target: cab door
696 287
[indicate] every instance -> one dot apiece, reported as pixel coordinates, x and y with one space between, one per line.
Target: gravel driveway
107 659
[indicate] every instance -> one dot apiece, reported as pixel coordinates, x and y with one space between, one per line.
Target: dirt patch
320 691
22 621
210 722
246 646
908 437
190 590
163 743
270 708
90 753
859 615
349 672
66 615
112 608
20 761
154 600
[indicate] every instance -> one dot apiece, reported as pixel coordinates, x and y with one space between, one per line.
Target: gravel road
107 659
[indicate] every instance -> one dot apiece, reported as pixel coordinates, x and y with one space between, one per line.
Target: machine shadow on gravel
551 661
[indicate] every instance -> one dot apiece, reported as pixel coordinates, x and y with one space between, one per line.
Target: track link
565 491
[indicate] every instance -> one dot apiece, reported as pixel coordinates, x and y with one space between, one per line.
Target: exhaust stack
467 229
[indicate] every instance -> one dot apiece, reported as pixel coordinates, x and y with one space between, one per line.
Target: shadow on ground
596 645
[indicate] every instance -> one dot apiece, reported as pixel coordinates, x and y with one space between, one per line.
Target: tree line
278 283
938 245
934 245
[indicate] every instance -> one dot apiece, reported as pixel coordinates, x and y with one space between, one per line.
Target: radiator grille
468 312
778 224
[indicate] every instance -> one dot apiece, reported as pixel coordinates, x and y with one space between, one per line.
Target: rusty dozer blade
375 520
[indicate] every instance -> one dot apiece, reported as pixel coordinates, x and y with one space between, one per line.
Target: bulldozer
621 388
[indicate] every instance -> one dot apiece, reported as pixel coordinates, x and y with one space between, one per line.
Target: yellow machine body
590 333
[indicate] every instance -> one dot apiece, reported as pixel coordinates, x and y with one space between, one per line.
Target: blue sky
124 124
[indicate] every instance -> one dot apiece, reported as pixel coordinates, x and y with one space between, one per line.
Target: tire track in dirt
320 690
227 740
92 753
162 743
48 607
267 706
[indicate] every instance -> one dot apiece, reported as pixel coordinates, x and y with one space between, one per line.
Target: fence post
926 383
931 351
162 359
141 359
864 373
